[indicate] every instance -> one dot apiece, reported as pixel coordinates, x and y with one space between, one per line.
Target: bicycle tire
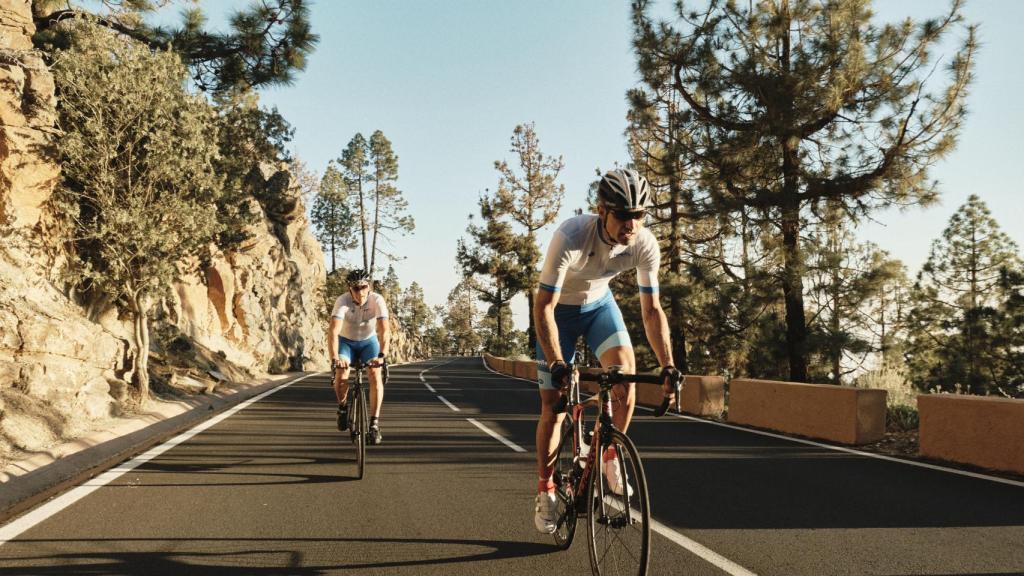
565 477
362 427
619 526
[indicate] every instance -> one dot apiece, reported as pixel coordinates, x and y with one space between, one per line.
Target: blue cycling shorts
364 350
599 322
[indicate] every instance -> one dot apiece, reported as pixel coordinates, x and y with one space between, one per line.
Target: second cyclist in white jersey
574 300
359 330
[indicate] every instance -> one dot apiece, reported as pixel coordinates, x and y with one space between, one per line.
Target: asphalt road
270 489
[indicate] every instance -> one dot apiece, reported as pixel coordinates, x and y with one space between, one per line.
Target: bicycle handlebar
610 377
375 363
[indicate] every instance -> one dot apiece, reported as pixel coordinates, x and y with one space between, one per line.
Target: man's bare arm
544 322
656 328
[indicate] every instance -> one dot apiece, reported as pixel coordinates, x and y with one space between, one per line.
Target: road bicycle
618 521
358 420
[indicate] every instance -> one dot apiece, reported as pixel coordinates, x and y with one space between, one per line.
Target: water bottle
585 449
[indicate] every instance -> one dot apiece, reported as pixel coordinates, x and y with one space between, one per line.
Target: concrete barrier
525 369
704 395
837 413
516 368
977 430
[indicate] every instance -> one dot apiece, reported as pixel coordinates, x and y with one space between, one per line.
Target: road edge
24 492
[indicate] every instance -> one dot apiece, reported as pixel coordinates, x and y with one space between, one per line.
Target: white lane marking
497 436
12 530
699 549
431 388
447 403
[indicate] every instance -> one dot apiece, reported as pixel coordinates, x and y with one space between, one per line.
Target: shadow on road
238 556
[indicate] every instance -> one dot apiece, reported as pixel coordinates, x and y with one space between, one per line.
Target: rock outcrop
28 164
259 304
62 371
58 370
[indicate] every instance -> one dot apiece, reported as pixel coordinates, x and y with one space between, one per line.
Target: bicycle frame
600 435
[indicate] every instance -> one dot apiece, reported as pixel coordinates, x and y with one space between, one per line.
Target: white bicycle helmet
624 190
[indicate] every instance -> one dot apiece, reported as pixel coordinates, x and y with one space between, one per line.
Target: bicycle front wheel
619 515
565 487
360 427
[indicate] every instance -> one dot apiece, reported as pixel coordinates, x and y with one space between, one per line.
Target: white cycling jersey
579 264
359 322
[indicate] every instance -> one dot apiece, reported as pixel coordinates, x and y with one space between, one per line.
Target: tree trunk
376 227
676 327
792 277
141 326
362 223
334 259
793 292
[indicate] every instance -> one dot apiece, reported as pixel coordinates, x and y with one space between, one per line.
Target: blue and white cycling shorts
599 322
364 350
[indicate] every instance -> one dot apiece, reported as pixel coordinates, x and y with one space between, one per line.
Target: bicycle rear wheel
565 485
619 524
359 428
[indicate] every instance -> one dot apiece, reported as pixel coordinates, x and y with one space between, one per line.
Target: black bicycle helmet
356 276
624 190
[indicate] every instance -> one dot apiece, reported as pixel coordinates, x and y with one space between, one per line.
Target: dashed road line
497 436
447 403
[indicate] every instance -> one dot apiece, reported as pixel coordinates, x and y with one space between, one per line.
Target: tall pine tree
788 104
955 320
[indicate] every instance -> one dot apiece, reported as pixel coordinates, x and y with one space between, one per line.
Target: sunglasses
623 215
359 286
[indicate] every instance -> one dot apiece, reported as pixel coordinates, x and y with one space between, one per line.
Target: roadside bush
901 396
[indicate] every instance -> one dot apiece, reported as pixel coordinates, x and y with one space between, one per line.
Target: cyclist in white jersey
574 300
359 317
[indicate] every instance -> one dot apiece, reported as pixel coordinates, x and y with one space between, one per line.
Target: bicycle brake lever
661 410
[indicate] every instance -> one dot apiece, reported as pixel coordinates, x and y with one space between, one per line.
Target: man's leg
547 440
548 423
340 384
623 395
376 391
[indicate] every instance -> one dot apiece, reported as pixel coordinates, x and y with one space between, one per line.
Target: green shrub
902 417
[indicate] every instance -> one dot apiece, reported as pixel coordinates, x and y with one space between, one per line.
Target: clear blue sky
447 81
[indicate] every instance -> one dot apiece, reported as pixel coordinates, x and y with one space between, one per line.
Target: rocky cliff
261 304
62 371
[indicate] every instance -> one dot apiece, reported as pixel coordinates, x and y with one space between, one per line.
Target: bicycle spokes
619 519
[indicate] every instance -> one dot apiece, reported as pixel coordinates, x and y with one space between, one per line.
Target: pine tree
249 136
530 197
790 103
355 164
844 277
416 318
331 215
461 321
267 44
389 206
498 263
959 291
